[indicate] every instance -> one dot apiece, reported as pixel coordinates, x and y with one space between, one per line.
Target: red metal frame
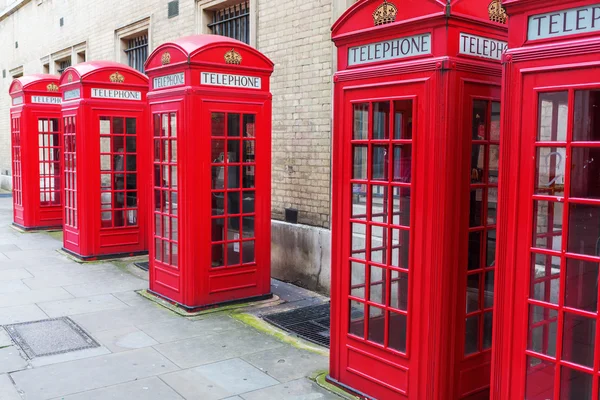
398 300
36 152
546 335
220 177
106 144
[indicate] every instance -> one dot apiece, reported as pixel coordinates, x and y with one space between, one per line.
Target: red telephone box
106 148
415 176
210 110
36 152
547 336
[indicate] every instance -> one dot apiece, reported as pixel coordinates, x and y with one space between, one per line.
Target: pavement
145 351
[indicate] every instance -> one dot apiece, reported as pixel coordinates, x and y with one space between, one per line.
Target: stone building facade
45 36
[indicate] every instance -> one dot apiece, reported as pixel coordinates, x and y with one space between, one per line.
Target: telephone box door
557 335
379 272
239 202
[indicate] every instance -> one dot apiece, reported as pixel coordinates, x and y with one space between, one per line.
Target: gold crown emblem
385 13
166 58
497 12
52 87
70 78
117 78
233 57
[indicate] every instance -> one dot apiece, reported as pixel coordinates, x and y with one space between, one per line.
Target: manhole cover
310 323
50 336
142 265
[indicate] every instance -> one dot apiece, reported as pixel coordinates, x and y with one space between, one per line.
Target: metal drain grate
143 265
310 323
50 336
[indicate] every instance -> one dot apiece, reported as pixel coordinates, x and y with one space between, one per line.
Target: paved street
146 352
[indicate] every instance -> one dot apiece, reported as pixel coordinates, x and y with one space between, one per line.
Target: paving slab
11 360
7 389
5 263
287 363
124 339
81 305
13 287
71 356
179 329
14 274
5 339
301 389
9 247
26 254
14 315
93 373
126 282
217 346
147 389
122 318
33 296
218 380
53 279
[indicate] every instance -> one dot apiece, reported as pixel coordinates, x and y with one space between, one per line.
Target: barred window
232 21
137 52
63 64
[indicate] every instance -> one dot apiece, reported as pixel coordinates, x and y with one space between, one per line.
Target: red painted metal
414 181
106 151
36 152
211 208
546 335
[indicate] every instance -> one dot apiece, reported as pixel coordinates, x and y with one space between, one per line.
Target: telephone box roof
88 70
187 49
31 81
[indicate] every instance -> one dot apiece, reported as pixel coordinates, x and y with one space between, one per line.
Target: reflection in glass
357 279
379 203
472 335
586 125
477 163
218 252
218 124
488 318
379 242
400 247
104 125
233 125
540 379
479 119
381 120
361 122
548 218
579 339
581 289
491 249
360 162
585 172
495 122
552 117
376 290
584 229
488 293
474 261
380 163
575 384
476 208
399 291
402 163
358 233
357 319
472 293
550 170
403 119
493 171
397 332
492 205
359 201
401 204
376 325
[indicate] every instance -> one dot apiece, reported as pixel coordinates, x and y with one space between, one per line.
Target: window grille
233 22
137 52
62 65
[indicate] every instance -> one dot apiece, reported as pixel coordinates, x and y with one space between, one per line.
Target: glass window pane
399 291
173 147
156 125
377 287
359 201
376 324
381 120
379 240
540 379
357 319
233 253
586 125
584 229
552 117
358 241
472 335
380 163
491 249
488 294
476 208
575 384
247 227
543 327
401 204
400 248
379 203
248 252
233 177
233 202
495 122
248 202
578 339
488 319
233 125
545 278
494 157
477 163
104 125
361 122
248 176
157 249
402 163
217 229
581 281
474 261
105 163
403 119
218 252
548 217
249 126
233 151
357 288
131 126
473 293
397 332
118 125
218 124
248 151
104 145
360 162
585 172
550 171
173 118
479 119
492 205
130 145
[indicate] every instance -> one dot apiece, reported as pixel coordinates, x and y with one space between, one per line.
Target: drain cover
142 265
310 323
50 336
